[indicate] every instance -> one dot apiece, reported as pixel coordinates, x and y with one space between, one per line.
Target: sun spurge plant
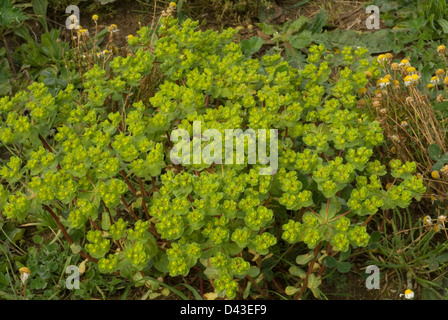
98 159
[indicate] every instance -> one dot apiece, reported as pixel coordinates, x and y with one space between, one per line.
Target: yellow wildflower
24 274
435 174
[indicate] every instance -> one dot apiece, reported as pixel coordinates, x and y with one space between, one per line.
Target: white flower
24 274
435 80
408 294
427 220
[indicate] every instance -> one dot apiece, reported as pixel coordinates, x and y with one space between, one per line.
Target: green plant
414 250
87 158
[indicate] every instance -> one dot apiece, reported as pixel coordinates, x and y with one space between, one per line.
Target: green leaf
434 151
246 291
105 221
302 40
329 262
253 272
252 45
298 272
334 207
296 25
290 290
437 166
319 21
76 248
37 239
304 258
10 15
444 24
5 76
443 258
40 9
344 267
313 284
267 29
375 237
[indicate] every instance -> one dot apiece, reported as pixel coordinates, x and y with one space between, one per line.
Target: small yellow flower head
440 72
404 63
395 66
435 174
24 274
382 58
404 123
445 81
438 227
95 17
83 31
173 4
435 80
389 56
407 81
383 82
433 198
396 84
112 27
441 49
409 294
102 53
130 36
427 220
362 91
419 176
368 74
430 86
411 70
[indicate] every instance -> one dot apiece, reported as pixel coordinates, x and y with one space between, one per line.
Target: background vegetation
411 253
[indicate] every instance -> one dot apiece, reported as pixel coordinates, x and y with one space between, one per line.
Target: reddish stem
64 232
123 174
310 269
129 208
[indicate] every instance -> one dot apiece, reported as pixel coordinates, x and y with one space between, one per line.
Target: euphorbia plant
98 160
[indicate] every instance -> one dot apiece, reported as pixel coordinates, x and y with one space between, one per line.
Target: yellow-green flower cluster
108 265
118 229
182 258
111 191
98 246
79 216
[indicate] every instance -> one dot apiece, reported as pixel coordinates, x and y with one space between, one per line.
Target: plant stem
310 269
129 208
64 231
123 174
